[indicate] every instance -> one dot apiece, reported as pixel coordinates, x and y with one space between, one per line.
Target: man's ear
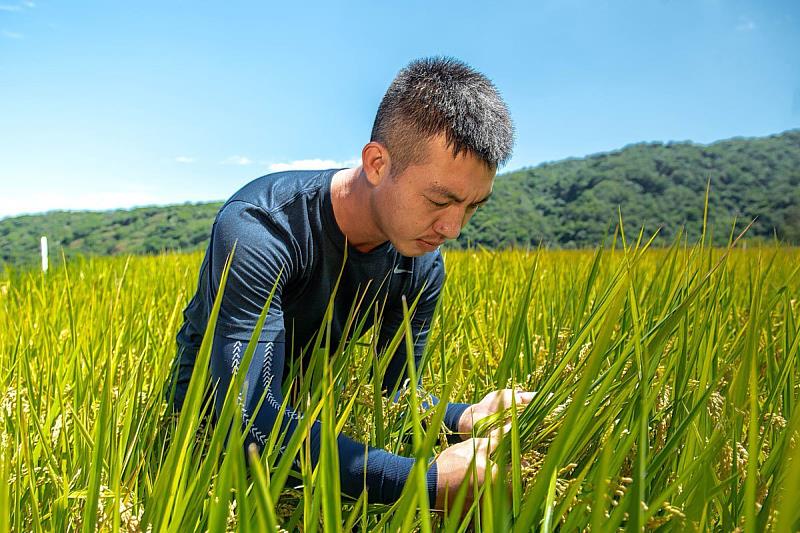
375 162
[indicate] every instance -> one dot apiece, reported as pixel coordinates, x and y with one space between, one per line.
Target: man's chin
406 252
415 248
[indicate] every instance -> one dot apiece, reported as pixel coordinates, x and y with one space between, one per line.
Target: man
439 135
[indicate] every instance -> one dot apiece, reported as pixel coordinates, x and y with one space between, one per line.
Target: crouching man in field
439 135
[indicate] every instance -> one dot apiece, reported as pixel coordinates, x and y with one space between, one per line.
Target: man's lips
432 242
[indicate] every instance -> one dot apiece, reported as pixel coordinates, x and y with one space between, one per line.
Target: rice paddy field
668 399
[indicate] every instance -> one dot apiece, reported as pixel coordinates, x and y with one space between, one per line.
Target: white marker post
44 254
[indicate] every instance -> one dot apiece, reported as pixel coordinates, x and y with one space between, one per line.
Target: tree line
565 204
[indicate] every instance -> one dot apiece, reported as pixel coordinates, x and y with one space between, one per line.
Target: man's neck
350 193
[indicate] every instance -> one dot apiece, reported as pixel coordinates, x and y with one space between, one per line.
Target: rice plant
667 385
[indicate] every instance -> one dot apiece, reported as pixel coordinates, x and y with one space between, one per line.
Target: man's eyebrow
452 196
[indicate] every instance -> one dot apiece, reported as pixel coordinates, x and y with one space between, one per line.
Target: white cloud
11 34
29 4
745 24
312 164
238 160
184 159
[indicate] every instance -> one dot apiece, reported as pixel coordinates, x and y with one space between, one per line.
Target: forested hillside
570 203
135 231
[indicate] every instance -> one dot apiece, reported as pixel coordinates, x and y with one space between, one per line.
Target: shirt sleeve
264 258
429 288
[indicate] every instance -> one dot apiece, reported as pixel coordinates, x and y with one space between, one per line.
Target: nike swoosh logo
398 270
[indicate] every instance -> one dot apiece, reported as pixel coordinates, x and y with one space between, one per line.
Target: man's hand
454 467
454 464
493 402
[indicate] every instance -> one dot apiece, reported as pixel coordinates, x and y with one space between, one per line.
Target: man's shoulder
275 191
272 211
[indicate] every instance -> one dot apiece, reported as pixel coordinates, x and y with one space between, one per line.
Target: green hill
569 203
136 231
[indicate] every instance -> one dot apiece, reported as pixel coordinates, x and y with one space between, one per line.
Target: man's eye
438 204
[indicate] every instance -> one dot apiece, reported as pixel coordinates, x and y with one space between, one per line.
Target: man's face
428 203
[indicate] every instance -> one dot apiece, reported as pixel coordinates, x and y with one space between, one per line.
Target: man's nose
450 223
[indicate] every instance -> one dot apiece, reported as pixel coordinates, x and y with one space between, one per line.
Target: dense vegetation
566 204
572 203
668 385
137 231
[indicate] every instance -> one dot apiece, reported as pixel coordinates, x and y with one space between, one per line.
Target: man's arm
385 473
396 373
263 259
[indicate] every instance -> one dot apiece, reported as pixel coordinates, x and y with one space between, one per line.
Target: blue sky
105 104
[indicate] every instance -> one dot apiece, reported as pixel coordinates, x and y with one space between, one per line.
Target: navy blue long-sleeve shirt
284 223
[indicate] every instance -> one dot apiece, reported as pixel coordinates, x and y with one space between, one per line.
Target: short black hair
443 95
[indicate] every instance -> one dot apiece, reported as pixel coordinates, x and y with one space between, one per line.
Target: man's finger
495 471
525 397
484 446
494 439
498 433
